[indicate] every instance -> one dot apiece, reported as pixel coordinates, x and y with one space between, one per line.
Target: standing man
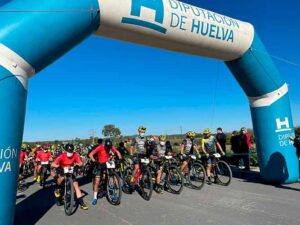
246 145
221 138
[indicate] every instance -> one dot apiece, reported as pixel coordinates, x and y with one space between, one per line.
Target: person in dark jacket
235 147
221 138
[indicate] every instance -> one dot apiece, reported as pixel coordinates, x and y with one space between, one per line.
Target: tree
297 130
111 131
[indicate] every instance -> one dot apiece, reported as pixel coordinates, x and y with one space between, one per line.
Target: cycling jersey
22 157
209 144
43 156
103 155
188 146
139 144
64 161
162 150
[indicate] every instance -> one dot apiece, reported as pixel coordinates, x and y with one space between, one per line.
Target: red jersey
43 156
103 155
22 157
64 161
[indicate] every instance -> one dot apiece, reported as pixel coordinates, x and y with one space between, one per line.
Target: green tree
111 131
297 130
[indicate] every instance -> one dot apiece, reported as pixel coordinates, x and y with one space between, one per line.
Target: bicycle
69 194
171 178
221 171
195 176
44 173
110 184
142 180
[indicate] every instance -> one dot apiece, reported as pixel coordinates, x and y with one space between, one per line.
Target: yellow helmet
206 131
162 137
142 129
23 146
53 147
191 134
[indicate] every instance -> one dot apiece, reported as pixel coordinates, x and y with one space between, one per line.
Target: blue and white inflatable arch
29 42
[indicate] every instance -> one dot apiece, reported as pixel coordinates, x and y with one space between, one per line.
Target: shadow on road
35 206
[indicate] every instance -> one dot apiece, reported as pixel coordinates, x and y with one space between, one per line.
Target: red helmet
45 147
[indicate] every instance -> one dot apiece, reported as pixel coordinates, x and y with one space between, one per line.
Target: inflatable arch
31 41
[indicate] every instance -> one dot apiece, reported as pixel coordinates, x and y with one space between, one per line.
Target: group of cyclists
56 159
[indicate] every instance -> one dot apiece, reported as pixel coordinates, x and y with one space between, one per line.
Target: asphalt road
245 202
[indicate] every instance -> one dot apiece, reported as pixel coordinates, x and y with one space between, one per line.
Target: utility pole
92 134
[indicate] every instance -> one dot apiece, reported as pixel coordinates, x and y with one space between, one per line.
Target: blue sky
106 81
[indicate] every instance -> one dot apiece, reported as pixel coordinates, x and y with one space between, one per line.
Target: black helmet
107 144
69 148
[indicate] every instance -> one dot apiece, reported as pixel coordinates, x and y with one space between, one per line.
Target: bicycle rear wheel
174 179
197 176
146 184
223 173
114 192
69 196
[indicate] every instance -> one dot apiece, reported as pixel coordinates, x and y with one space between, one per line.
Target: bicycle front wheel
197 176
223 173
69 196
174 179
146 184
114 191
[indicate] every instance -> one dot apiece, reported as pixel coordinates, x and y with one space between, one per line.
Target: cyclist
161 151
103 152
209 143
188 147
43 156
23 159
67 159
139 145
122 149
33 154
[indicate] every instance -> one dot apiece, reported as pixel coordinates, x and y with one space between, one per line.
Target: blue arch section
74 21
258 75
12 115
27 34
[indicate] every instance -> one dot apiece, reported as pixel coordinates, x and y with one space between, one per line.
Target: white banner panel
176 26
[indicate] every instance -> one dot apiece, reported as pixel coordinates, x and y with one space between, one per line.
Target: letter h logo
136 8
282 125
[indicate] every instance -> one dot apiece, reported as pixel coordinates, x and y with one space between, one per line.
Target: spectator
245 142
235 147
221 138
296 141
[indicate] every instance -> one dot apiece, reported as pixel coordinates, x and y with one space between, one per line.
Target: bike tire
69 196
126 185
173 172
146 184
223 173
198 175
112 190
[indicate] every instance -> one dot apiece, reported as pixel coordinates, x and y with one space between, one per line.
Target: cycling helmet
23 146
38 144
162 137
191 134
206 131
45 147
69 148
108 144
142 129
